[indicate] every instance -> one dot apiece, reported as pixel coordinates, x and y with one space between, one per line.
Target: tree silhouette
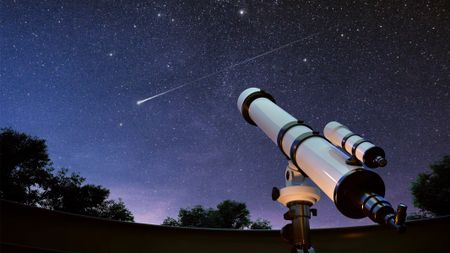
431 191
260 224
27 177
169 221
229 214
24 167
232 214
197 217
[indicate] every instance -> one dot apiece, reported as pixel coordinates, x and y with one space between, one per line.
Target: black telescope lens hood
352 186
249 99
371 154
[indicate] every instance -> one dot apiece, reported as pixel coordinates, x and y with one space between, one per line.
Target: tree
431 191
229 214
260 224
67 193
171 222
24 167
197 217
233 214
116 210
26 177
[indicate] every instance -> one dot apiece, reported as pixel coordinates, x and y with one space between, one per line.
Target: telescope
333 162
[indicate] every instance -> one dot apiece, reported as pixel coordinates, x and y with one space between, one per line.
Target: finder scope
357 192
359 148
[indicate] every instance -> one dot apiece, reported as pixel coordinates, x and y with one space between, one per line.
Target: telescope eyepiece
400 217
380 211
381 161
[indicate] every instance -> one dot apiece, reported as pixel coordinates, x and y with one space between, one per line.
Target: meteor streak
232 66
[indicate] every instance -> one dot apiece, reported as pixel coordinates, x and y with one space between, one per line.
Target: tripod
298 196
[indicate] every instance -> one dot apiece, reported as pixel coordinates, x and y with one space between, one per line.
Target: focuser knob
400 217
275 193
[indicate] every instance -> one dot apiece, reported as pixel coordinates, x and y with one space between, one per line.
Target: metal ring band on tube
248 100
356 144
297 142
284 130
344 140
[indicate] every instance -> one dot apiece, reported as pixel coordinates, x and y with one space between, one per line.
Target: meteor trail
232 66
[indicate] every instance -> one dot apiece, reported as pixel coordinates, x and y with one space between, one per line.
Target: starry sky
72 71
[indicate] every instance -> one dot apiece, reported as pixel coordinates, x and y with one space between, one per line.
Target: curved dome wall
35 230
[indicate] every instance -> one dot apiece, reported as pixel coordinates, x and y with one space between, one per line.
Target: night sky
71 72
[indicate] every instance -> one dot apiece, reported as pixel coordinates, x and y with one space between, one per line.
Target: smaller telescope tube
366 152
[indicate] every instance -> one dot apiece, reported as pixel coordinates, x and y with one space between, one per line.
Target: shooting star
232 66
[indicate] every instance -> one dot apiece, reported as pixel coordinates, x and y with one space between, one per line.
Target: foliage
261 224
229 214
24 167
115 210
169 221
27 177
197 217
431 191
232 214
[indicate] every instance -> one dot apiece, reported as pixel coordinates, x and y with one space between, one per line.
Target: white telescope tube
357 192
316 157
366 152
